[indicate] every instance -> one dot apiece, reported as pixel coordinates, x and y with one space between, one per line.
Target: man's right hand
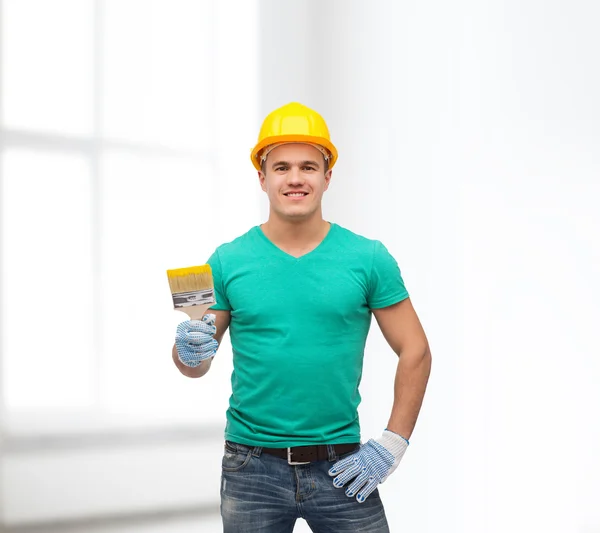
194 340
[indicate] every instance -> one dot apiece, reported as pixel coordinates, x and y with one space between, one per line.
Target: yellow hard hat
294 123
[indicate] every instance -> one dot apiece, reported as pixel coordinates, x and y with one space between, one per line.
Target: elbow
415 352
190 371
427 352
427 360
194 371
417 357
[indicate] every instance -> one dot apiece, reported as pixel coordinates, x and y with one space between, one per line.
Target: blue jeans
261 493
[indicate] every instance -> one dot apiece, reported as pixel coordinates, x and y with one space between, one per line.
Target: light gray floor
204 524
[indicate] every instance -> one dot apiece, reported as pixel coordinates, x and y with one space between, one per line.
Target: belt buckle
290 462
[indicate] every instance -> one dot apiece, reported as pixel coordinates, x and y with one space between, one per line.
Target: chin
295 214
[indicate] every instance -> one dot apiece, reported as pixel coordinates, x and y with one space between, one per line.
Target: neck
295 232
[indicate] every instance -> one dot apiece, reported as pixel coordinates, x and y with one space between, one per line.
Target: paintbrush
192 289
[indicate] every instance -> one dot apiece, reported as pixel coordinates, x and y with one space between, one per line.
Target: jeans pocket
235 457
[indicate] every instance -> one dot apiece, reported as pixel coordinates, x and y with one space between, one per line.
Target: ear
262 179
328 175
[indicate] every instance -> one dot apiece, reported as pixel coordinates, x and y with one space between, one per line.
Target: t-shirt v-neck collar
290 256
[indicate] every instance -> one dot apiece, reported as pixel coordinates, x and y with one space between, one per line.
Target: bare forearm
410 384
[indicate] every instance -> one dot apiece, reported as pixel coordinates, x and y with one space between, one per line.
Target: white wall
468 136
101 465
289 42
469 144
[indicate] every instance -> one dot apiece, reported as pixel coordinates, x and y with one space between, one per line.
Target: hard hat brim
305 139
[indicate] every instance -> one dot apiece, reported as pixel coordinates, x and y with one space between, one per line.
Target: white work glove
194 340
370 465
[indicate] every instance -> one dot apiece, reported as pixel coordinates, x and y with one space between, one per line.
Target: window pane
158 213
158 81
47 65
46 280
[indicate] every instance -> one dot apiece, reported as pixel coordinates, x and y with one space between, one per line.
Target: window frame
92 148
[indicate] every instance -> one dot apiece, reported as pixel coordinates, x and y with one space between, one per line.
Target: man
297 294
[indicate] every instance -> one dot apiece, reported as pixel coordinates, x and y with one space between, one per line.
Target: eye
308 168
278 169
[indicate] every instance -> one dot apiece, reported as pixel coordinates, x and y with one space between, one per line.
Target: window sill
40 431
52 472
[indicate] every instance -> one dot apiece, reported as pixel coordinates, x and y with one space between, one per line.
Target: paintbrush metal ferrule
192 298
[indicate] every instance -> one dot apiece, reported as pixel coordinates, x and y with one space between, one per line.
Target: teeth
296 194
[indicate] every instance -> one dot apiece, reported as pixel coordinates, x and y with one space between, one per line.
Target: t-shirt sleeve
386 283
217 271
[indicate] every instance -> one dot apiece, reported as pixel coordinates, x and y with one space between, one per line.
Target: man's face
294 179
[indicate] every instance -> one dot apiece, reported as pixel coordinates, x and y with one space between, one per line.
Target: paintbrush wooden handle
195 312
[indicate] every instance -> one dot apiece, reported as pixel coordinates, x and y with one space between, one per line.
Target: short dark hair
263 166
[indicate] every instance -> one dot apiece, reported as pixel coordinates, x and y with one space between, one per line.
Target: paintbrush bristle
190 279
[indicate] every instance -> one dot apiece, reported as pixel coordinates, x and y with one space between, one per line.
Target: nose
295 177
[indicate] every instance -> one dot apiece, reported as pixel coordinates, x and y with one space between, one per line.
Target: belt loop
256 451
331 453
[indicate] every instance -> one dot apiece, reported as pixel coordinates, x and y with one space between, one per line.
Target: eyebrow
302 163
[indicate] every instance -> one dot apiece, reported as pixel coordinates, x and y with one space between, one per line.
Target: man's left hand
370 465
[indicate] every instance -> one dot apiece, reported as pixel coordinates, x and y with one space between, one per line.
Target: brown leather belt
299 455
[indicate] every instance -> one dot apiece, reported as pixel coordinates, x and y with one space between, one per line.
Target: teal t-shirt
298 332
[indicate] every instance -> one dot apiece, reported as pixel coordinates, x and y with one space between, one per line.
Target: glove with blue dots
370 465
194 340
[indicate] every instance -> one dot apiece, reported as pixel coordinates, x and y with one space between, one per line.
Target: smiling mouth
296 194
